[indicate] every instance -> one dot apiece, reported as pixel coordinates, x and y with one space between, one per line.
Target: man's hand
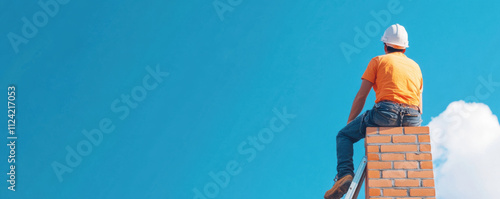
360 99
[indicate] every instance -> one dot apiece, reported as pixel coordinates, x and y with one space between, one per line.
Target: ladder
358 179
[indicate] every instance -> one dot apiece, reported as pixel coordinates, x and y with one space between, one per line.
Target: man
398 85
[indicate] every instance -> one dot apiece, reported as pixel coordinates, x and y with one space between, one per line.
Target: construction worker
398 85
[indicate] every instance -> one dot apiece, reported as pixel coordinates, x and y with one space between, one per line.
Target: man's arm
360 99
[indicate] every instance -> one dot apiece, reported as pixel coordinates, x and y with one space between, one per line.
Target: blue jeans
383 114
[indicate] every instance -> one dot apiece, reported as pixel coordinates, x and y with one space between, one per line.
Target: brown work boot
339 188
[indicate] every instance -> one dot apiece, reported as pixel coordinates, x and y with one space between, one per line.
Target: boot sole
340 191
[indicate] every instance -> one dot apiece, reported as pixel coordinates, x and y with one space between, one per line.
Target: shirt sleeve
371 71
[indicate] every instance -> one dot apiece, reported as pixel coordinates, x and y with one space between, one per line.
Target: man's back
396 78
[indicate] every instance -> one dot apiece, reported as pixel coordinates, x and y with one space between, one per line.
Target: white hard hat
396 37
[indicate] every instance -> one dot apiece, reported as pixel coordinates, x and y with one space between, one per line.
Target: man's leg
350 134
346 138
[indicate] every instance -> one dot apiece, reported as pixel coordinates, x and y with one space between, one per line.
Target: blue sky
227 78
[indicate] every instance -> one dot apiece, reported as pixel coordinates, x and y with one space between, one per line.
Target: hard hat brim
397 46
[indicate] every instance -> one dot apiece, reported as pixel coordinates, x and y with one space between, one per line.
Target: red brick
398 148
379 165
390 130
381 183
426 165
417 130
374 192
428 183
371 130
406 183
395 192
406 165
425 148
373 157
420 174
421 156
404 139
372 149
373 174
378 139
409 198
422 192
394 174
424 138
393 156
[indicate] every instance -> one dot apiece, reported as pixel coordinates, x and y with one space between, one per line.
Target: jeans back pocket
384 117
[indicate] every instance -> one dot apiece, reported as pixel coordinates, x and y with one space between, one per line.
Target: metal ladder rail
359 177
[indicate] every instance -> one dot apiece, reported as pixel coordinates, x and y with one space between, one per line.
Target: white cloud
466 151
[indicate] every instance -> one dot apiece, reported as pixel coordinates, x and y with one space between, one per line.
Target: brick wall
399 163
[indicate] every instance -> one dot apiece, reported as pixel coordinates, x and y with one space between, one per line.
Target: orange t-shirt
395 77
